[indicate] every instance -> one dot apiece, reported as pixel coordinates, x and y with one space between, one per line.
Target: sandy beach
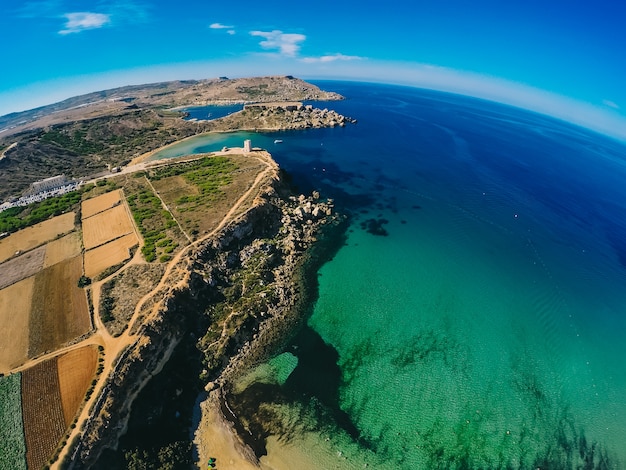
215 437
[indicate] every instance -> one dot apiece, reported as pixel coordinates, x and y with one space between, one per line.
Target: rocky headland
285 116
240 293
87 136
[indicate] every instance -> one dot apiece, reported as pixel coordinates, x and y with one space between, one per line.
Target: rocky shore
281 116
245 292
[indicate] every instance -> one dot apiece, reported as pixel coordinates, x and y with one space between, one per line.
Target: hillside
85 136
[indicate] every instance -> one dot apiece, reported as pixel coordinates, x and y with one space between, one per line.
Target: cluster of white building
41 190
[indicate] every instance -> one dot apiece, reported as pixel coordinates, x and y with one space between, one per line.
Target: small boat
278 141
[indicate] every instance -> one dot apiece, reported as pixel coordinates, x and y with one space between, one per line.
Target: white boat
278 141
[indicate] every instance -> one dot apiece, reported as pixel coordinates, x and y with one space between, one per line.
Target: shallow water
486 329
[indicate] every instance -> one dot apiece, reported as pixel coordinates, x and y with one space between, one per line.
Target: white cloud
220 26
610 104
81 21
330 58
287 44
231 31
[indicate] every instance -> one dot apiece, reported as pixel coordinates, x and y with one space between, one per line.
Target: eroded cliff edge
239 294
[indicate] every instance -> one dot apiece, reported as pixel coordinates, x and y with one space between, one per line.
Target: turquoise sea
476 316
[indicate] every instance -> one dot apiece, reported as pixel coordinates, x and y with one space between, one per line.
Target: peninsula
213 253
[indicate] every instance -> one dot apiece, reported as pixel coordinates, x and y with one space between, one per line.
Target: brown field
101 203
44 425
59 310
14 316
23 266
62 249
76 370
38 234
106 226
110 254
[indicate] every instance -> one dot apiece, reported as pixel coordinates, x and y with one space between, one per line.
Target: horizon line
608 122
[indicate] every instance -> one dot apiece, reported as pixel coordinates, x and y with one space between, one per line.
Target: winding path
114 346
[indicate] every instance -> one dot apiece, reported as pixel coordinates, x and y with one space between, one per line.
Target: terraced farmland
59 310
31 237
44 424
63 248
106 226
15 303
76 370
100 203
110 254
22 266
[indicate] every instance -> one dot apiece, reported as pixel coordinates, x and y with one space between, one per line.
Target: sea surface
476 315
210 112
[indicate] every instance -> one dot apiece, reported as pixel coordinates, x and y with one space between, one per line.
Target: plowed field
109 254
23 266
101 203
106 226
62 249
38 234
44 425
76 370
59 307
14 316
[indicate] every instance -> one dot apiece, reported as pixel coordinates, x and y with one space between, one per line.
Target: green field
208 175
12 444
158 228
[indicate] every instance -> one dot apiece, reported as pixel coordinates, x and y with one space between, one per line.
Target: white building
48 184
247 145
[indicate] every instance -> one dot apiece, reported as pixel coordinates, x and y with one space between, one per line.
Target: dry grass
125 290
204 219
23 266
106 226
62 249
101 203
109 254
44 425
76 370
59 310
38 234
15 304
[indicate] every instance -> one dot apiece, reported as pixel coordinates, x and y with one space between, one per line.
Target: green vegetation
17 218
153 222
174 456
73 140
84 281
249 294
12 444
208 174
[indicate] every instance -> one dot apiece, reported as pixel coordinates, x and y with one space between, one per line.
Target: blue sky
565 58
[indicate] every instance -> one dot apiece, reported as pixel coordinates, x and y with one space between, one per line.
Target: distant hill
87 134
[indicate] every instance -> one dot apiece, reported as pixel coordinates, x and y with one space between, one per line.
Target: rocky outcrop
245 287
282 116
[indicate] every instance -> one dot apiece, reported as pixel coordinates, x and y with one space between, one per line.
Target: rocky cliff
243 294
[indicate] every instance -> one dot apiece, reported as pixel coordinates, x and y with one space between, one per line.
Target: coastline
264 117
279 228
147 155
215 437
219 431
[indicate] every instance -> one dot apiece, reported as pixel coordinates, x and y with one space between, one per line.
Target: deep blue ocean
476 316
